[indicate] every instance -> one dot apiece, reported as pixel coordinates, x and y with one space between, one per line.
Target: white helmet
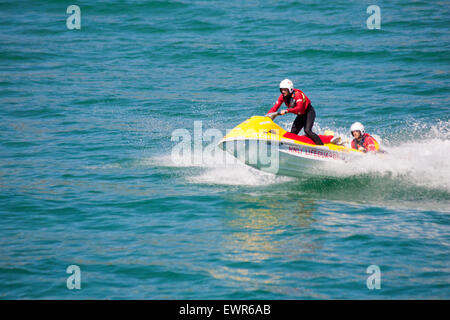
287 84
357 126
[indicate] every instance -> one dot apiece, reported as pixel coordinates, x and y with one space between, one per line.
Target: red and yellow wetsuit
367 142
298 103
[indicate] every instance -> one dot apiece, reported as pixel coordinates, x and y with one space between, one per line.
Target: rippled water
86 139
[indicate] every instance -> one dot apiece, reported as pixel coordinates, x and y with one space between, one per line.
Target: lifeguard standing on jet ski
298 103
363 141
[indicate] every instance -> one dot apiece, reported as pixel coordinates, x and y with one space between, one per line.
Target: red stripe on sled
305 139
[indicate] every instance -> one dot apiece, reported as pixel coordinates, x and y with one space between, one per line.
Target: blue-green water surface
88 178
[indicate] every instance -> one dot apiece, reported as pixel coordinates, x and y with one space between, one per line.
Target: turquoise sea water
87 175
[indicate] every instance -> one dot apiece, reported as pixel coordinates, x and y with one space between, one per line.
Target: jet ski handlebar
273 115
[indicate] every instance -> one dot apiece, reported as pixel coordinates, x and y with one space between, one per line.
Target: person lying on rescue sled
298 103
362 141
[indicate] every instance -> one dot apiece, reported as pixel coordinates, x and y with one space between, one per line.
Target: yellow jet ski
262 144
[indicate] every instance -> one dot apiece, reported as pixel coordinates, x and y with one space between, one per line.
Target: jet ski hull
263 145
280 158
